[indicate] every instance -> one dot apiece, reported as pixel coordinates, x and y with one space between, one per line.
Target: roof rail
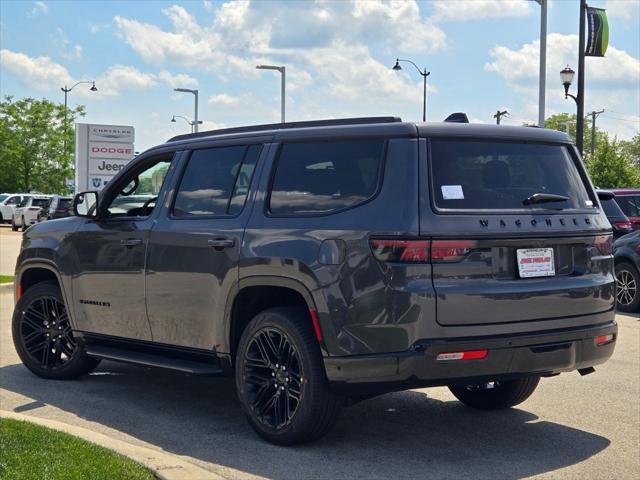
282 126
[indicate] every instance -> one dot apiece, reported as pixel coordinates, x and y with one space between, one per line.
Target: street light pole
543 61
66 91
195 110
580 95
424 74
283 73
192 124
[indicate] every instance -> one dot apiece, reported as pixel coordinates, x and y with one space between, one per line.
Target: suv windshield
482 175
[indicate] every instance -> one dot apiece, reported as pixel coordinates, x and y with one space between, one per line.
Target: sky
482 55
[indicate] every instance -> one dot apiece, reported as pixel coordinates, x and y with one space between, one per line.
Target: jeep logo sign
101 152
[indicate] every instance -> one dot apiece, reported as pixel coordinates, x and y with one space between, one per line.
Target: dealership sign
101 152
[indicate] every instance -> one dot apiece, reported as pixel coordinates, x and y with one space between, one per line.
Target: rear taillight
602 340
451 250
402 251
468 355
623 225
604 244
420 251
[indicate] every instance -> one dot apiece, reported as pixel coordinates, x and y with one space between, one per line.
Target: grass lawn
6 278
29 452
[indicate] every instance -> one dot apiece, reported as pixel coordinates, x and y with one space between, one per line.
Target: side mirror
85 204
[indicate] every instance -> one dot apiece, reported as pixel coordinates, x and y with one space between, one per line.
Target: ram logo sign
101 152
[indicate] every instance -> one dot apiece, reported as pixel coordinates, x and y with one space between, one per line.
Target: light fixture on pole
566 77
424 74
195 113
282 71
191 123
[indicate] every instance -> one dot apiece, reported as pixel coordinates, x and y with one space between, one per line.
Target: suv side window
629 204
13 201
321 178
24 202
216 181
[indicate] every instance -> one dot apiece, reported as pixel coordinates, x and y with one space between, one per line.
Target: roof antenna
458 117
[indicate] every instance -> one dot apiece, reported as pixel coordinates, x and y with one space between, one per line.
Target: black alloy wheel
273 377
43 335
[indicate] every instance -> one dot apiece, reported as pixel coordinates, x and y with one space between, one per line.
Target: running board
151 360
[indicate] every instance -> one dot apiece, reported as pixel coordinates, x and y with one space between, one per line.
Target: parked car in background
629 201
57 207
627 264
26 213
619 221
8 203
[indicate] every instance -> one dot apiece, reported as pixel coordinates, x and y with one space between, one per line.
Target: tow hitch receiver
586 371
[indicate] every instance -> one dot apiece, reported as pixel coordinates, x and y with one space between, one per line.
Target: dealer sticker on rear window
535 262
452 192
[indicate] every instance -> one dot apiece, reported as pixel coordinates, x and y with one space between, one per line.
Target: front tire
14 227
281 381
43 337
627 287
496 395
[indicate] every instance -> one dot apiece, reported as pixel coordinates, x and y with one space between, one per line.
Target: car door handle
221 242
131 242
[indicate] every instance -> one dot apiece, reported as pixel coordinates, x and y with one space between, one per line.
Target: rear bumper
513 356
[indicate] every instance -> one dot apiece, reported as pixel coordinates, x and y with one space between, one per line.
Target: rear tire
14 227
627 287
280 378
43 337
496 395
24 225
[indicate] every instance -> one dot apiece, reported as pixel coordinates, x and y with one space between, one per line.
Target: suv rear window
319 178
611 208
39 202
484 175
630 204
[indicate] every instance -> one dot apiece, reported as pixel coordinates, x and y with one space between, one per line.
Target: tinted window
611 208
630 204
474 175
315 178
2 197
39 202
24 202
64 204
216 181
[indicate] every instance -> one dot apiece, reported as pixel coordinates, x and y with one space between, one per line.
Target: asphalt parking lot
572 426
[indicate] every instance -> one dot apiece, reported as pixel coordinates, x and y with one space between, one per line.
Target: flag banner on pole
598 38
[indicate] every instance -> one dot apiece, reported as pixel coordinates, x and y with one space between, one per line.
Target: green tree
611 168
631 149
36 145
567 123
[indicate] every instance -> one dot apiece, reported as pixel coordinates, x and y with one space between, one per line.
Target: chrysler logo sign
111 133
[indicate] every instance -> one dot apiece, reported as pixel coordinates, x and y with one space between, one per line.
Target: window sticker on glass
452 192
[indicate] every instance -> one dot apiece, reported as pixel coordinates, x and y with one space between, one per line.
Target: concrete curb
6 287
164 466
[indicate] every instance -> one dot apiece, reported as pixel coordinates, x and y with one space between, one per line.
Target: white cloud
39 8
98 27
464 10
177 80
119 78
626 10
40 73
61 43
208 5
612 82
225 99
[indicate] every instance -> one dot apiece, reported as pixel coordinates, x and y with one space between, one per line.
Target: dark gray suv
326 262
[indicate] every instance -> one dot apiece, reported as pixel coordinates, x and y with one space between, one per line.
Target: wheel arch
257 293
32 272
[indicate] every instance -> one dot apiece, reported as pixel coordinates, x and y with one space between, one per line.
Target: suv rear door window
39 202
216 181
483 175
318 178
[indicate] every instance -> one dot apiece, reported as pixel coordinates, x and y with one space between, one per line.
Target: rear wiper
544 198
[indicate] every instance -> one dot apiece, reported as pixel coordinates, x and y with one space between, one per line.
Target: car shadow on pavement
399 435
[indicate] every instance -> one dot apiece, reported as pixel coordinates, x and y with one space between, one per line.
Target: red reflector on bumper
604 340
468 355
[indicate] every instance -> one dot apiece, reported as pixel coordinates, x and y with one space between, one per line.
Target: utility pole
543 61
499 114
580 95
594 115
